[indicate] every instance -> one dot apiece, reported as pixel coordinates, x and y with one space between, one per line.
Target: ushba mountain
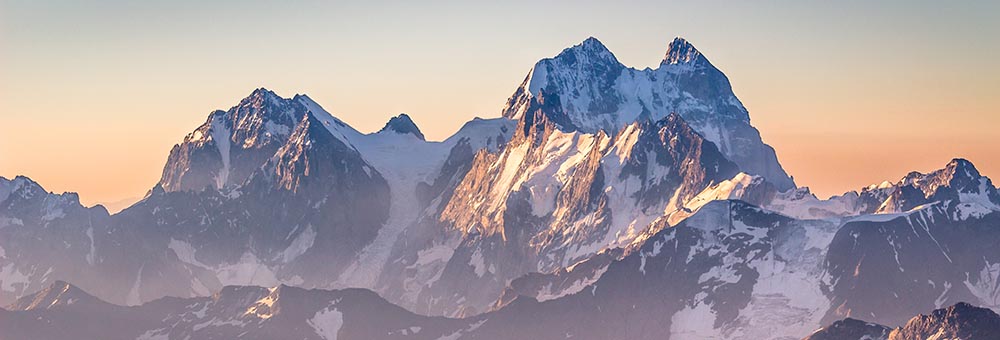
604 202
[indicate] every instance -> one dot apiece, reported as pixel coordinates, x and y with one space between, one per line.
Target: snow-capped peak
589 51
681 51
261 97
958 181
8 186
592 91
961 166
587 57
958 173
337 127
883 185
22 187
402 124
232 144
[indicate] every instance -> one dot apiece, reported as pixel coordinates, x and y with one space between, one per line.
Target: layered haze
94 95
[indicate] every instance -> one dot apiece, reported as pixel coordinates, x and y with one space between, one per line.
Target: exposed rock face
403 124
961 321
958 181
666 161
851 329
231 144
596 92
549 199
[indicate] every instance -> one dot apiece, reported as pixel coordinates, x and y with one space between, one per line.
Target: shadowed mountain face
38 231
885 267
404 125
961 321
883 270
66 312
272 191
60 295
231 144
608 203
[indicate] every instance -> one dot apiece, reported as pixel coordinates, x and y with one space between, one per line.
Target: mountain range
604 202
63 311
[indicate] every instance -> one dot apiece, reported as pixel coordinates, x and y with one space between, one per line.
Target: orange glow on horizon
93 98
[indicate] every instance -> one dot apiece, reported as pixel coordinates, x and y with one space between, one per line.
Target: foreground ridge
960 321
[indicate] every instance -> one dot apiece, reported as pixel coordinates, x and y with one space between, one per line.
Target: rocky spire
402 124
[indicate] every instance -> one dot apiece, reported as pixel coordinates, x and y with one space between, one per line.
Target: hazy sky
93 94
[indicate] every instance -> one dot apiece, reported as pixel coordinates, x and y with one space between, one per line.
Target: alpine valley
605 202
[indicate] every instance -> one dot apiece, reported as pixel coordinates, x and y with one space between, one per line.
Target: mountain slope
232 144
959 180
305 200
45 237
883 269
547 200
731 271
754 274
888 266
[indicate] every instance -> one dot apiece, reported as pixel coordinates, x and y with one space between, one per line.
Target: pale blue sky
93 94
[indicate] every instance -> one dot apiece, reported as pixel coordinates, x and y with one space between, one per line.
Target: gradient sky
93 94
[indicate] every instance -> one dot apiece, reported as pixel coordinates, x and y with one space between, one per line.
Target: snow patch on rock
327 323
300 244
185 252
220 135
249 271
985 285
